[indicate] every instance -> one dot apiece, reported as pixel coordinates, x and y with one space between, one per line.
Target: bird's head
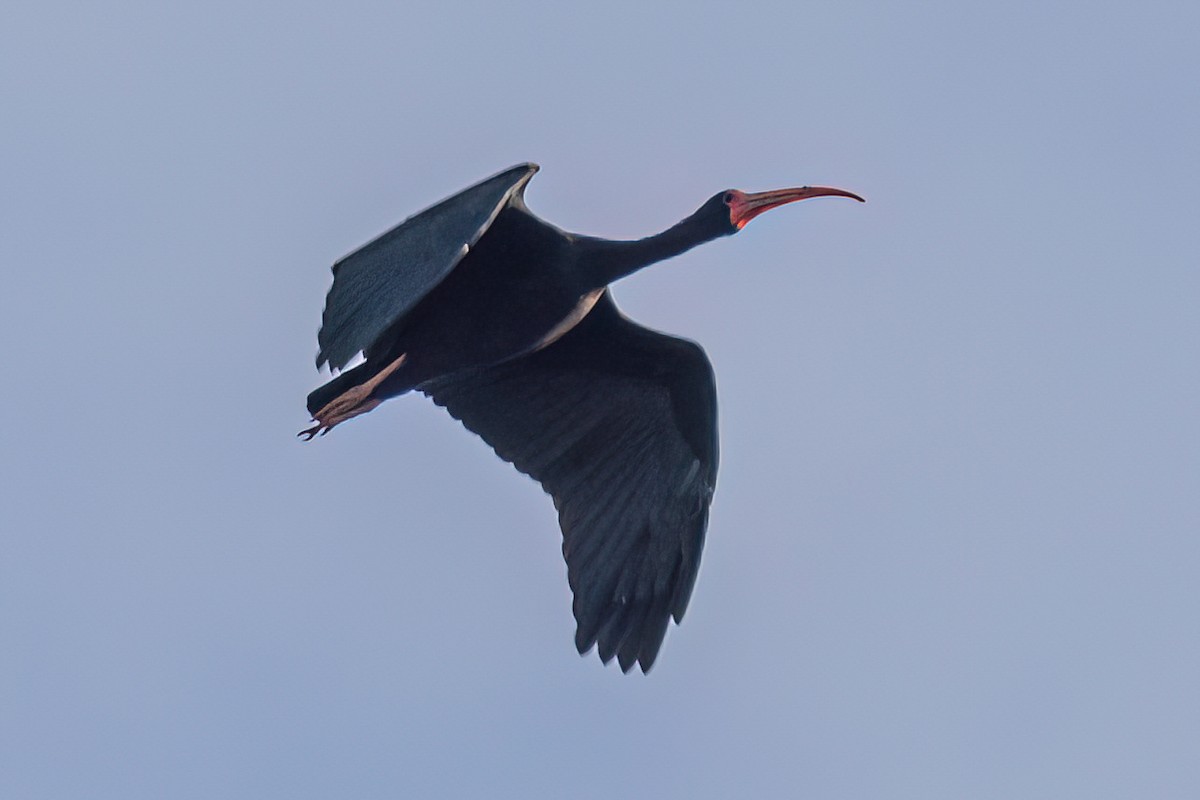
735 208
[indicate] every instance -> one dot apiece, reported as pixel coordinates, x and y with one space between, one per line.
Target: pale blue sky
956 538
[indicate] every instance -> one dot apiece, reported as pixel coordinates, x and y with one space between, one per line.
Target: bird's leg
349 403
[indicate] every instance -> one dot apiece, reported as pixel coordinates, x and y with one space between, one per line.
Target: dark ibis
507 322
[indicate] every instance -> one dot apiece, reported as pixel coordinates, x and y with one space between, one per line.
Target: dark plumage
504 320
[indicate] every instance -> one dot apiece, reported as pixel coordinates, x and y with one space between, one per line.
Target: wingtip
582 643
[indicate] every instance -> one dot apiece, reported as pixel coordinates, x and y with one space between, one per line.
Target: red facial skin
745 207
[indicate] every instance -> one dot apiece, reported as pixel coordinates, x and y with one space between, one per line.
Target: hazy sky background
956 538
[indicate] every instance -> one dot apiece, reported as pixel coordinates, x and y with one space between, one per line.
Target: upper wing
377 284
619 424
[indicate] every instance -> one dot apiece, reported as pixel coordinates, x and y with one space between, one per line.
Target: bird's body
492 307
504 320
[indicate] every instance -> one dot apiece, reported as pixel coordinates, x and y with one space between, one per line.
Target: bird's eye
728 198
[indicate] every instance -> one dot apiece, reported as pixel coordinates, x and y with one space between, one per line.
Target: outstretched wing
379 283
619 425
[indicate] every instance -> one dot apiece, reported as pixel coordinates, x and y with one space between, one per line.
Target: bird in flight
506 321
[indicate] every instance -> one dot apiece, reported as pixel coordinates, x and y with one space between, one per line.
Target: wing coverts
376 285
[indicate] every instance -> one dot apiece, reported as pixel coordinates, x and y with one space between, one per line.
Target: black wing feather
376 285
618 424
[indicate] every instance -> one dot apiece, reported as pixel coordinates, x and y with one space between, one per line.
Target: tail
380 381
324 395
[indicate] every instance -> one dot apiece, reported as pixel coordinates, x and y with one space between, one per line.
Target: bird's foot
341 408
350 403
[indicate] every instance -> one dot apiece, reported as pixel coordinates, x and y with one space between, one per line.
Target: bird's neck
603 261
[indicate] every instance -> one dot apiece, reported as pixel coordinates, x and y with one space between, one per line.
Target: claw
309 433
